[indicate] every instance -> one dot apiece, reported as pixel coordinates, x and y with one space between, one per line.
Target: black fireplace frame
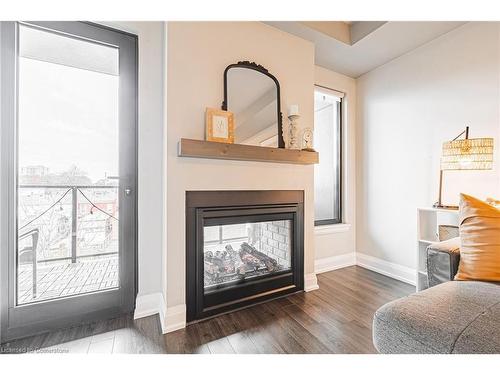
230 207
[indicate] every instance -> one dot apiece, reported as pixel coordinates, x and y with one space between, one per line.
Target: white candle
293 110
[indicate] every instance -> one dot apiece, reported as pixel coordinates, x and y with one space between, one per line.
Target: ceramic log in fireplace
243 247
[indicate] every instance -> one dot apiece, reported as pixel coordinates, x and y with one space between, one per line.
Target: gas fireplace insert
243 247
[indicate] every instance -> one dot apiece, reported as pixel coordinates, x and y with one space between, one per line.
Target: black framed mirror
253 95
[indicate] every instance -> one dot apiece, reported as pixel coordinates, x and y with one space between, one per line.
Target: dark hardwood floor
336 318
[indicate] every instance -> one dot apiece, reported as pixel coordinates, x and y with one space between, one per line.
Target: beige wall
198 53
343 241
406 109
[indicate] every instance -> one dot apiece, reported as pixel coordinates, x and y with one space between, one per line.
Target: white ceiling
383 44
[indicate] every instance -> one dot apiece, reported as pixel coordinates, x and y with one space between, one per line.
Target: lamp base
444 207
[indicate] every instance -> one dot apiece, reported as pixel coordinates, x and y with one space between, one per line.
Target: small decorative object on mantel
219 125
307 140
293 116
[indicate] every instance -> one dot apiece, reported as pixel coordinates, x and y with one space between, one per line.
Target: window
328 142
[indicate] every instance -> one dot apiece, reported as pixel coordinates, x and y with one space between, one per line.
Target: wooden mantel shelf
192 148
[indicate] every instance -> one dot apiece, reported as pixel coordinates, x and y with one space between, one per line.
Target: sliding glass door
72 180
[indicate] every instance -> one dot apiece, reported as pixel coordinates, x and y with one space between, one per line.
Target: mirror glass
252 96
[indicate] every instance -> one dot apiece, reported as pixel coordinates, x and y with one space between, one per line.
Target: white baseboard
310 282
150 304
334 263
175 318
396 271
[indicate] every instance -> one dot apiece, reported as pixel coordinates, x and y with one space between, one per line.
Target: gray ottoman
453 317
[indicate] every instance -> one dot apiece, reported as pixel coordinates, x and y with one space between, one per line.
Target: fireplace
243 247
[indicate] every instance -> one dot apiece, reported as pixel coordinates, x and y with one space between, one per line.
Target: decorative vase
292 130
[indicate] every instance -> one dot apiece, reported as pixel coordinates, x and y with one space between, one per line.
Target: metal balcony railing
26 228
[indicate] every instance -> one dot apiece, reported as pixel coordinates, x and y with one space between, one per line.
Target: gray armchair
450 317
442 261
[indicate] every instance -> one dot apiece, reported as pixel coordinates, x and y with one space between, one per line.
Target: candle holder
292 130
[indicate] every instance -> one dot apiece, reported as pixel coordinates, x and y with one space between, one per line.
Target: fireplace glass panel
238 252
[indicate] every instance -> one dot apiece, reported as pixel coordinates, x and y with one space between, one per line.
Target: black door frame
25 320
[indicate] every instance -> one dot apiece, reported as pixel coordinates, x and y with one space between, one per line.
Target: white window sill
322 230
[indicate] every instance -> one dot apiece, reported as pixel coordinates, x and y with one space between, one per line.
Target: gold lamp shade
467 154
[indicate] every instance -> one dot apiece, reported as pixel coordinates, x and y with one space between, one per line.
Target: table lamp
464 154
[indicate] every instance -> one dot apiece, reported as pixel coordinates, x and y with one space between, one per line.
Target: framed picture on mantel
219 126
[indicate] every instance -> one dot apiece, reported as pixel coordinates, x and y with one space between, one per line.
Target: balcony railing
82 206
52 224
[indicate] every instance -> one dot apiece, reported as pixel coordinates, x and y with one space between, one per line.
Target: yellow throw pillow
493 202
480 240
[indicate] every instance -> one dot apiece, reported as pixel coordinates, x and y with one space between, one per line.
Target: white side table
428 221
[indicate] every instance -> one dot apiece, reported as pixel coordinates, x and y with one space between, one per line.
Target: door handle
128 191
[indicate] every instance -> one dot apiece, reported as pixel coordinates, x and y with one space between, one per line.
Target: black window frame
338 193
